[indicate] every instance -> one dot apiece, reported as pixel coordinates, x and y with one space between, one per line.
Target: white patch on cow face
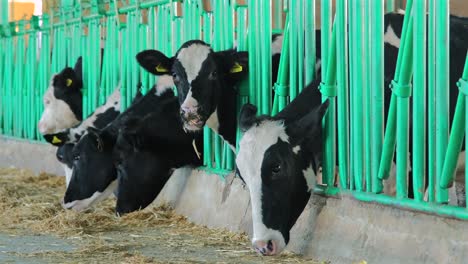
391 38
164 83
309 175
192 59
68 174
80 205
277 45
296 149
190 103
57 114
252 148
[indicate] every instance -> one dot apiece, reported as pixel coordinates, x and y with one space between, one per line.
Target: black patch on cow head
58 139
67 87
93 169
155 62
64 154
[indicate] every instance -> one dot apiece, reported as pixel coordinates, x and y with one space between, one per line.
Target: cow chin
194 126
81 205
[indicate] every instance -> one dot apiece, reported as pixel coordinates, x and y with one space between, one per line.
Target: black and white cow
63 100
102 116
206 84
95 170
278 159
146 153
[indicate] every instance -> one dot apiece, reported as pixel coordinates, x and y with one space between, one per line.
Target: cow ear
310 124
234 63
58 139
79 69
248 117
155 62
97 138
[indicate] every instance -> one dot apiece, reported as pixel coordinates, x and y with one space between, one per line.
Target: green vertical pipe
4 13
252 39
357 90
431 170
457 133
390 130
403 117
18 80
265 55
328 123
207 133
442 49
326 26
390 5
281 85
310 42
300 45
368 91
343 94
293 51
377 86
419 106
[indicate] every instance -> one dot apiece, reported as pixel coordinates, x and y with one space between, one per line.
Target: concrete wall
340 230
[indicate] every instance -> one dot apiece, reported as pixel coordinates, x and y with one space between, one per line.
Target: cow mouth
193 125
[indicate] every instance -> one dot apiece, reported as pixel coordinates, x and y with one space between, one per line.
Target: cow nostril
60 157
270 245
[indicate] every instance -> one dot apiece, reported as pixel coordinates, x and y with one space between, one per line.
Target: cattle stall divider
360 143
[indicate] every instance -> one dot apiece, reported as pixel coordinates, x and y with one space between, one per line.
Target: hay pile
31 205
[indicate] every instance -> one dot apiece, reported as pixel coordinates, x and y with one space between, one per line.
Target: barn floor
35 229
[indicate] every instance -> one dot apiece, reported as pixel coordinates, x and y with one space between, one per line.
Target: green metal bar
442 49
252 40
442 210
265 55
377 93
310 42
328 168
390 5
281 85
293 50
368 96
431 165
419 106
343 94
357 93
390 131
326 40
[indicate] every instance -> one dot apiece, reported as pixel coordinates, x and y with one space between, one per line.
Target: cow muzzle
266 248
192 119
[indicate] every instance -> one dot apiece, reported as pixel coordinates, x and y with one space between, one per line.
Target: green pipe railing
431 170
419 99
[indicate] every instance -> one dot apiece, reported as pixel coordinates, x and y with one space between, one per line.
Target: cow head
277 159
200 75
142 171
94 175
62 101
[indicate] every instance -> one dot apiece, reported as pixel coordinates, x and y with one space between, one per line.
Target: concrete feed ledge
339 230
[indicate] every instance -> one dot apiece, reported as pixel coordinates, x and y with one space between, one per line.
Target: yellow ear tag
56 140
236 68
160 68
69 82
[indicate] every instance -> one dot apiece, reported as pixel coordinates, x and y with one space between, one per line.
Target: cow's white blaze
80 205
57 113
391 38
192 59
253 146
213 121
190 102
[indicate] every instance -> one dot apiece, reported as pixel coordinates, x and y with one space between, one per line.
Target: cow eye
276 168
175 77
213 75
46 101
